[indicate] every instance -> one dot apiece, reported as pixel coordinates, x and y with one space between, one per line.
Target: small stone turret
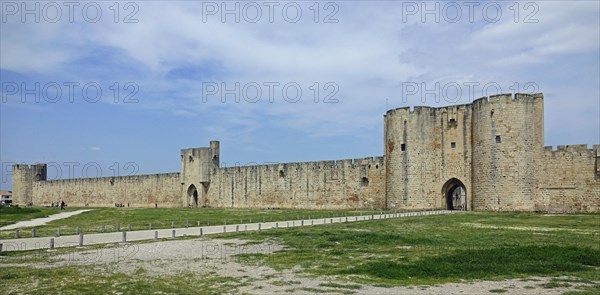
197 165
22 181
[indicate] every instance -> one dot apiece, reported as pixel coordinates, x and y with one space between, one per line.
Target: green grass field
412 251
442 248
87 280
141 218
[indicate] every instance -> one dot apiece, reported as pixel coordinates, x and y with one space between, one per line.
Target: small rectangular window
498 139
453 144
452 123
403 147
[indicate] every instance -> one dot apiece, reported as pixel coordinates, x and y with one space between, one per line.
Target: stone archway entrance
455 195
192 193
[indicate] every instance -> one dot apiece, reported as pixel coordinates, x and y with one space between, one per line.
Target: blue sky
172 61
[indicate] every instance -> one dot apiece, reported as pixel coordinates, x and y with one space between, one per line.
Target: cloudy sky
123 87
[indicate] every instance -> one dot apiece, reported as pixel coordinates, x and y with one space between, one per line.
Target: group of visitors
62 204
121 205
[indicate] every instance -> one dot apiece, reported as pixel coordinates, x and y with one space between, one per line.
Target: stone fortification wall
569 180
342 184
138 191
485 156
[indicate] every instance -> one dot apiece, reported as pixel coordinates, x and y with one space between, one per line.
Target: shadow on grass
486 263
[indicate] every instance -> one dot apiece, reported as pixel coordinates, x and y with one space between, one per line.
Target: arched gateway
192 193
455 195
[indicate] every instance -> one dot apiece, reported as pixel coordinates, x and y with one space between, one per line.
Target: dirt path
44 220
209 257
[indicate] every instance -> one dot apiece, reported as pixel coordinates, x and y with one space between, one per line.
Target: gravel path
210 257
43 220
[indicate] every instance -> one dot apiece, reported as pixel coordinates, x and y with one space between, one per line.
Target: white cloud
369 53
559 30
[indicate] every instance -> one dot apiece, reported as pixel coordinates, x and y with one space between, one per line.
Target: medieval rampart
485 156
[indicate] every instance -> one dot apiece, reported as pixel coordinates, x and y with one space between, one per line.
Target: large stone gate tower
479 156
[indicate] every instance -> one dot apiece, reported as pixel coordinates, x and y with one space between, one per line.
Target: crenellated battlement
581 149
376 162
509 98
493 99
31 167
114 179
